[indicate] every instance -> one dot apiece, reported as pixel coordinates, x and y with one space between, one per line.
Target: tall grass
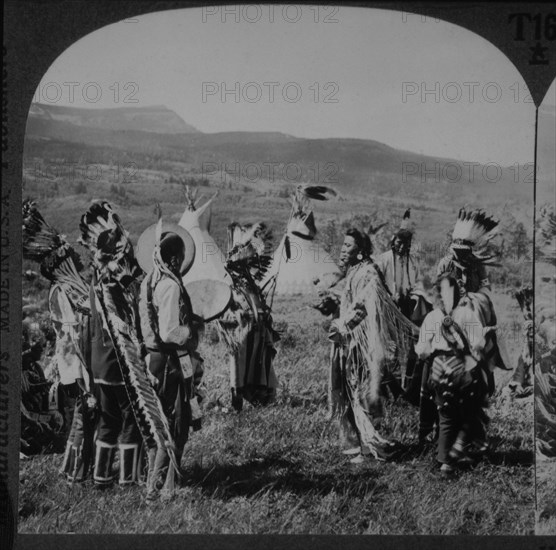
279 469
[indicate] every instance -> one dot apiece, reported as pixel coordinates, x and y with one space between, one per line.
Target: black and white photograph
288 269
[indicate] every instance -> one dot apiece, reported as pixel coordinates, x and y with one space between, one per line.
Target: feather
249 250
249 257
59 262
115 263
146 405
103 234
524 298
473 228
316 192
374 230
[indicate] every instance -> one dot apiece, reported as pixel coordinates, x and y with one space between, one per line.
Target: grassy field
280 470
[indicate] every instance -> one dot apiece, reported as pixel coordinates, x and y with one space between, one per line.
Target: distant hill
356 167
157 119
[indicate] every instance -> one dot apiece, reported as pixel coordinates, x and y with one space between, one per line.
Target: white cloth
166 300
65 322
431 338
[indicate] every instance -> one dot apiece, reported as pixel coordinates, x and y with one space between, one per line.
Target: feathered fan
59 262
114 260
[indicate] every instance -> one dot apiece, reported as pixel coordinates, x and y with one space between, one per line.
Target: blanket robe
400 273
247 329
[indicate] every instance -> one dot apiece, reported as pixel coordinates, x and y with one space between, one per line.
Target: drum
209 298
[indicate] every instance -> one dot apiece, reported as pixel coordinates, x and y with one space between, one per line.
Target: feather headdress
103 234
473 228
471 236
59 262
113 259
249 247
249 257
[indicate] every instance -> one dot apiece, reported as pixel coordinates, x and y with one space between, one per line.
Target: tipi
207 280
209 259
300 260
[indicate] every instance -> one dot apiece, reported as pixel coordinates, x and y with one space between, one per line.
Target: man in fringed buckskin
369 328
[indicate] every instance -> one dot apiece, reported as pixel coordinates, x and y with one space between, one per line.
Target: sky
413 83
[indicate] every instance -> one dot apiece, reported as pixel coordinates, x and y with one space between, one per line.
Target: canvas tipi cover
207 282
306 261
209 260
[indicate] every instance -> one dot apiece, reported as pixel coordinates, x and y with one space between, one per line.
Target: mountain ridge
155 118
355 165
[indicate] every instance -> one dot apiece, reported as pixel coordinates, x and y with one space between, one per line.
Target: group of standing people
126 349
127 343
386 334
166 334
127 338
